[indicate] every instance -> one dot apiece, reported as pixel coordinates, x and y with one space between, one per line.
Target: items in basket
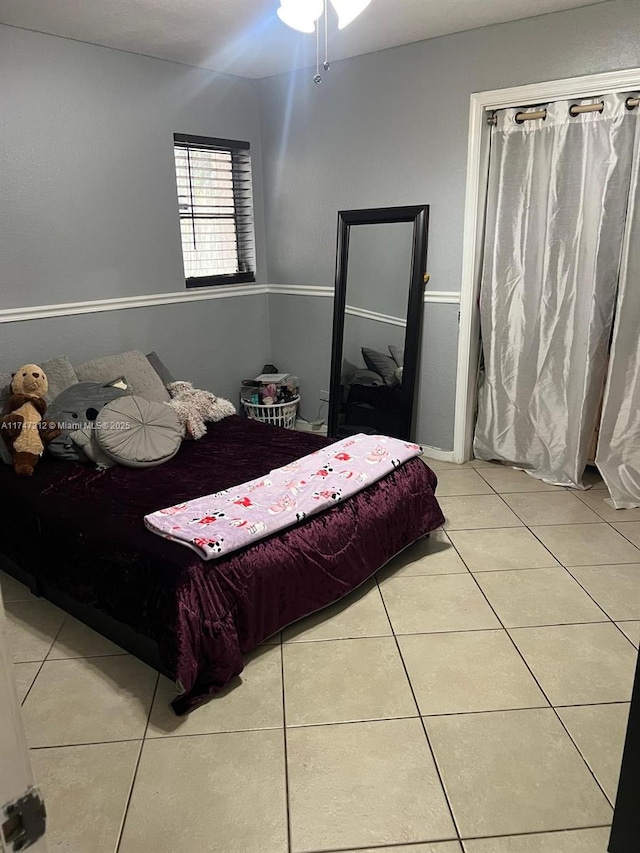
276 414
271 398
270 389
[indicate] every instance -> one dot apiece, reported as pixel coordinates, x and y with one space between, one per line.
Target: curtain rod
574 110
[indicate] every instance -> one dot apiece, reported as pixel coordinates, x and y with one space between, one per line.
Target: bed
76 536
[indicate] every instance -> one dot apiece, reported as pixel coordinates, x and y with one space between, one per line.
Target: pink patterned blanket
215 525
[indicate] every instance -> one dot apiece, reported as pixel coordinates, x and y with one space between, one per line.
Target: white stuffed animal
195 408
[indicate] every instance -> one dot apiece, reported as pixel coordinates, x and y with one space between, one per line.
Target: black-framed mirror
377 320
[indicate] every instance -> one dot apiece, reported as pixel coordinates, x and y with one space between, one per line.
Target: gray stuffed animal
75 410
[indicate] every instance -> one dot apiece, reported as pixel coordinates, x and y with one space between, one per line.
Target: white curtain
618 456
556 208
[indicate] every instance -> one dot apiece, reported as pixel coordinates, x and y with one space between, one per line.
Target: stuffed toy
195 407
77 408
22 429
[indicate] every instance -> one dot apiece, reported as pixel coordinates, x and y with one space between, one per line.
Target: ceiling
245 37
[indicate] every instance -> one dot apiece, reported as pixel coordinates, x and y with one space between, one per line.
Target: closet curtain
618 455
556 208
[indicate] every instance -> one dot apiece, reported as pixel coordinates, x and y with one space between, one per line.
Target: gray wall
198 341
88 206
88 203
390 128
300 329
379 269
362 332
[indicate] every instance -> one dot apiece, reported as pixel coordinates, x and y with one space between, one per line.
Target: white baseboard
437 453
304 426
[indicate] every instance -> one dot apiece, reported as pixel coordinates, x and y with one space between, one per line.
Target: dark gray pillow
160 368
134 366
76 408
5 455
382 364
139 433
371 378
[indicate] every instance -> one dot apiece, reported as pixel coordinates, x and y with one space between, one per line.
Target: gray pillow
397 354
60 375
86 440
160 368
139 433
134 366
382 364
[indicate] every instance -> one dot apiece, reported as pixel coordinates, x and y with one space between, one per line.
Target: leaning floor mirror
377 320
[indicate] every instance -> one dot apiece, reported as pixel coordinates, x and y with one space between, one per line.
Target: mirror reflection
378 312
377 293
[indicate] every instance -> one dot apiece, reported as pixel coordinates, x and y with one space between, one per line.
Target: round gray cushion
137 432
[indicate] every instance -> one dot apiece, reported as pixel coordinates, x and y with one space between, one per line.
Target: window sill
216 280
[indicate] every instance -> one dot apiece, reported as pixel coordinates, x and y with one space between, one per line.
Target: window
216 210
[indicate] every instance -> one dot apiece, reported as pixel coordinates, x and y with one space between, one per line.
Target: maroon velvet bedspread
82 530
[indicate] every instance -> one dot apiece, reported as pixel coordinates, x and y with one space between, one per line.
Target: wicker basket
277 414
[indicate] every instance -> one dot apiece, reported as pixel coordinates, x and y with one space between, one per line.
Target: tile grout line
610 618
86 743
561 624
461 630
595 492
422 723
286 751
535 568
558 717
568 569
395 845
333 723
623 633
537 832
518 526
135 772
501 468
42 662
535 535
561 524
598 520
122 654
621 533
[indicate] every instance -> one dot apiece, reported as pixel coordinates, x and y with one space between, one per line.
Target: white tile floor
473 697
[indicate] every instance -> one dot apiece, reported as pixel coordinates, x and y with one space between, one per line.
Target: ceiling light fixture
302 15
348 10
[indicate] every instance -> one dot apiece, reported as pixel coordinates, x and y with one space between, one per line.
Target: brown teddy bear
23 430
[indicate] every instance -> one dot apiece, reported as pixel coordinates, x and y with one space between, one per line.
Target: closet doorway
551 226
